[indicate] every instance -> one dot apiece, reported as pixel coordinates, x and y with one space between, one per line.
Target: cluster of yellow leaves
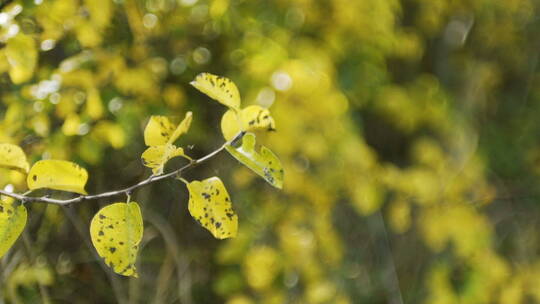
50 174
223 90
159 135
117 229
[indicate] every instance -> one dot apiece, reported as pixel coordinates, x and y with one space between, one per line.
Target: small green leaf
116 231
210 206
157 156
266 164
251 118
218 88
57 174
12 221
13 157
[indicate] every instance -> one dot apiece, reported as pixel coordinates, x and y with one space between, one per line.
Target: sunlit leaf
210 206
13 157
266 164
12 221
71 124
182 128
57 174
218 88
94 106
157 156
251 118
160 130
22 56
110 132
116 231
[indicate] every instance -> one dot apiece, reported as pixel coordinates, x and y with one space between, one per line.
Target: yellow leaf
22 56
116 231
12 221
111 133
13 157
100 12
57 174
218 88
218 8
157 156
160 130
182 128
257 118
266 164
252 118
71 125
94 105
210 206
230 124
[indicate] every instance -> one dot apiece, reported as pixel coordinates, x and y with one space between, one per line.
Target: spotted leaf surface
116 231
210 205
266 164
251 118
57 174
13 157
157 156
160 130
218 88
12 221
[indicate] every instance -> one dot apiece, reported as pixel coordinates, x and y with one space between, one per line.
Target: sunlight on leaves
160 134
12 221
210 206
266 164
157 156
218 88
160 130
116 231
251 118
13 157
57 174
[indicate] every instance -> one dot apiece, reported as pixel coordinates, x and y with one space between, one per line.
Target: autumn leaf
12 221
13 157
266 164
210 205
218 88
116 231
57 174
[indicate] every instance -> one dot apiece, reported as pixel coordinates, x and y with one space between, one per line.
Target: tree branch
153 178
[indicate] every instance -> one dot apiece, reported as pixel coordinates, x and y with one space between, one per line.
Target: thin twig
149 180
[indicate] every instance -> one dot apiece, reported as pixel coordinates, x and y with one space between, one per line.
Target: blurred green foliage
407 130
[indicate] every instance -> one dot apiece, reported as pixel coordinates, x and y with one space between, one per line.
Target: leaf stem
151 179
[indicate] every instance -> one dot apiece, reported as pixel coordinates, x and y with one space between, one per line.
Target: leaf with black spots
57 174
12 221
116 231
157 156
160 130
210 205
265 164
251 118
13 157
219 88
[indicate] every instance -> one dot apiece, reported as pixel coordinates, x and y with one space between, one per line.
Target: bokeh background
408 131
